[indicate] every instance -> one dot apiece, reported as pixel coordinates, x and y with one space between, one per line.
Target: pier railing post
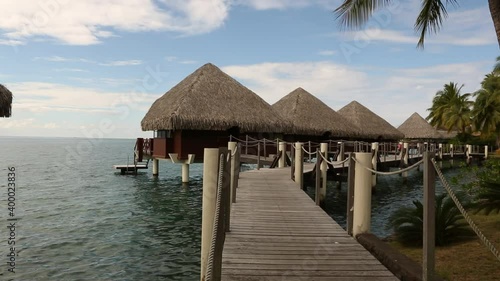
350 192
451 150
233 149
405 158
317 190
374 162
246 145
324 169
429 230
156 167
485 152
440 146
362 194
292 162
299 164
309 150
282 150
210 180
258 156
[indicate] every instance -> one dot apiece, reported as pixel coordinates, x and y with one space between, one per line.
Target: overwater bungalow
203 111
417 128
312 119
372 126
5 102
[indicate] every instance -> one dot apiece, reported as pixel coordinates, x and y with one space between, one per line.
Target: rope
310 153
333 163
234 152
462 210
390 173
217 220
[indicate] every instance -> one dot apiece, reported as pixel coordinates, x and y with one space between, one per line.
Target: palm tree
407 222
451 109
486 109
355 13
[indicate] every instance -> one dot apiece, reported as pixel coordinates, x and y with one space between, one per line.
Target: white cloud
272 81
47 97
122 63
63 59
70 70
86 22
286 4
327 52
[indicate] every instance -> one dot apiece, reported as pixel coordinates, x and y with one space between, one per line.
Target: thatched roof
310 116
5 102
416 127
371 125
209 99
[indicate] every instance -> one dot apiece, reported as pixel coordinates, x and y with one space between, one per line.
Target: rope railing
234 152
390 173
218 227
464 213
306 151
333 163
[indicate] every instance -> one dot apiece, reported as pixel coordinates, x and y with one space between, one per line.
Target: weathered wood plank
278 233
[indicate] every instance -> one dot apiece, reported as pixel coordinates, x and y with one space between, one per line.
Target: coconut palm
407 222
450 109
486 109
355 13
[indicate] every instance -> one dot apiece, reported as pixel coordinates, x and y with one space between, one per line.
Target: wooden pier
278 233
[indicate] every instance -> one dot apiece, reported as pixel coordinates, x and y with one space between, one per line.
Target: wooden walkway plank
278 233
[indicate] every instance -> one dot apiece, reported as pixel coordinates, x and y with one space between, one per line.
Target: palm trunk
495 16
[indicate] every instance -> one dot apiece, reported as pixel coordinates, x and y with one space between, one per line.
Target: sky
92 68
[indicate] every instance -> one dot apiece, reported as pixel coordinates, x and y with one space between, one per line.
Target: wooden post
324 169
265 152
350 192
282 149
485 152
468 148
405 160
440 151
299 164
428 262
246 145
210 179
309 150
258 155
318 178
362 194
341 156
156 167
185 172
451 151
232 146
374 162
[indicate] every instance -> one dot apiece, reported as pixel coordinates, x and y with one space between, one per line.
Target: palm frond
430 18
355 13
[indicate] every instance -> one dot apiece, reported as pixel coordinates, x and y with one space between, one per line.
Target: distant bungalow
203 110
5 102
312 119
372 126
417 128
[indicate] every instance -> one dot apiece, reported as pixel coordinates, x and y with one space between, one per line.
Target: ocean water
81 220
78 219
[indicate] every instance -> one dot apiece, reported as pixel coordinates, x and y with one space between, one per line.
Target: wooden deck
278 233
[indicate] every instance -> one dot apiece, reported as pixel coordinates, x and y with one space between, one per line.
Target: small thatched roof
209 99
5 102
416 127
371 125
310 116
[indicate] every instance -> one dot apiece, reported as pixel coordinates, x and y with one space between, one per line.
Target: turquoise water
81 220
